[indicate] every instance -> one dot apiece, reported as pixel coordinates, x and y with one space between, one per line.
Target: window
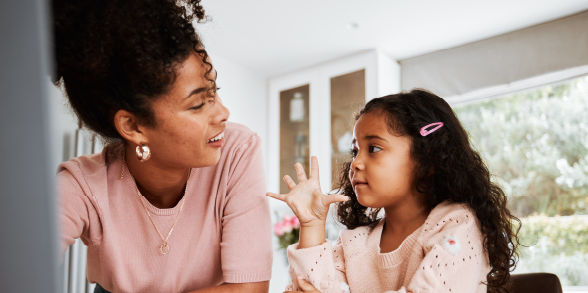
535 144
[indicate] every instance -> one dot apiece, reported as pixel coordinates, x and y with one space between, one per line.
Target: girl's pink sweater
446 254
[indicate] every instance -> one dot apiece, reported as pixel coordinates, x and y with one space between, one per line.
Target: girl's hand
305 199
305 286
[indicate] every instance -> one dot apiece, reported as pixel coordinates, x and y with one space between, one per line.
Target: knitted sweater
446 254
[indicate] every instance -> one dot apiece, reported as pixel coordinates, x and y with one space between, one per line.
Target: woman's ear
128 127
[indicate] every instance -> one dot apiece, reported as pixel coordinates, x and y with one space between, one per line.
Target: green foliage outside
535 144
555 244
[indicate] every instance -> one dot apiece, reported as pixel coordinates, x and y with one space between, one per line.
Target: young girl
446 226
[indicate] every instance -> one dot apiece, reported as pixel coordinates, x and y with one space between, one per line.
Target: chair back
534 282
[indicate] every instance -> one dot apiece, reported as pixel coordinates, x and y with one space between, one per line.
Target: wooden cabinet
311 112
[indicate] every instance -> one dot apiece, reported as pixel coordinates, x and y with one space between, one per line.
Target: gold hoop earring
143 153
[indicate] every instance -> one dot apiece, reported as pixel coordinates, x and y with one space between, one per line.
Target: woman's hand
305 199
305 286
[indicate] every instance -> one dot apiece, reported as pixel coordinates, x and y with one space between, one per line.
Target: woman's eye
197 107
374 149
353 153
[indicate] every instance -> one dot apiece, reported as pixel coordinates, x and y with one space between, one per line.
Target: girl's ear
128 127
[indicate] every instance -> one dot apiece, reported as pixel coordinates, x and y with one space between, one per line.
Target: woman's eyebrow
196 91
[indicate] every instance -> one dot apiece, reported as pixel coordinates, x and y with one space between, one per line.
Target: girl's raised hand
306 199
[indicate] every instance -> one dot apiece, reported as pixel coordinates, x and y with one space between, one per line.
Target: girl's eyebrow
368 137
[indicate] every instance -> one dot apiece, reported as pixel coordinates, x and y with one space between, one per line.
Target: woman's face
190 123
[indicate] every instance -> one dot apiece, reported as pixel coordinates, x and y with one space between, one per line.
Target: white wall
243 91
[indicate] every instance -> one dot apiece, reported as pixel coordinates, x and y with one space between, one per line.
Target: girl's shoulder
449 222
449 212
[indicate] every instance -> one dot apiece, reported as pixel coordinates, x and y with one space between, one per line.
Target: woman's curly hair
113 55
447 169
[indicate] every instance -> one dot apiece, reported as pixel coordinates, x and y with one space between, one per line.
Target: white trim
491 92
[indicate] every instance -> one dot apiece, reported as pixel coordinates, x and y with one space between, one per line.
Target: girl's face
189 122
382 169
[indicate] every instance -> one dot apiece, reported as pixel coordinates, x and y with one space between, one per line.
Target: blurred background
516 73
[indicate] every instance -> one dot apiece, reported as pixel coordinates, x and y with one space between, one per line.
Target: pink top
445 254
222 235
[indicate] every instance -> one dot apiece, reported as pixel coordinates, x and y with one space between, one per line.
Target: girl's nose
357 163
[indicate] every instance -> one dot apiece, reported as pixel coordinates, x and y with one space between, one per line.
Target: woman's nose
222 113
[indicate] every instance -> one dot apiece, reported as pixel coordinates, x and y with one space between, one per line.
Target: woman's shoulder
239 141
89 172
237 135
83 165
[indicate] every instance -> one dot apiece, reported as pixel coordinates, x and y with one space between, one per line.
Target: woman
175 202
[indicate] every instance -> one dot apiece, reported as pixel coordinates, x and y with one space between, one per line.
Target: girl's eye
374 149
353 153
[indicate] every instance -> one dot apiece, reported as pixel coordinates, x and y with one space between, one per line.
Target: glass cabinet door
294 131
347 98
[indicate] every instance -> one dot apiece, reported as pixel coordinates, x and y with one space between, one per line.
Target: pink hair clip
424 131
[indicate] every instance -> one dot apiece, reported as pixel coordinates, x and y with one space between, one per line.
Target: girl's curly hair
113 55
459 175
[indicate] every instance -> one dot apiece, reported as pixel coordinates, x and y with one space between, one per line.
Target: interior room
296 73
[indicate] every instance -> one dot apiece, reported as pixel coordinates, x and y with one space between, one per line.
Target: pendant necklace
164 247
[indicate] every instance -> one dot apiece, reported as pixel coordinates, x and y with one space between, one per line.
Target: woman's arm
246 243
76 212
257 287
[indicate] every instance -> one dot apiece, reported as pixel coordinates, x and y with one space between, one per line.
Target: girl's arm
313 258
309 204
322 267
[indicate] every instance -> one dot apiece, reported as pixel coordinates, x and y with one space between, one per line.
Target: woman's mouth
216 141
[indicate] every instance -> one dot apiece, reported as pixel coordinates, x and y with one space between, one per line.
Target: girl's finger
314 168
300 172
281 197
332 198
289 182
305 285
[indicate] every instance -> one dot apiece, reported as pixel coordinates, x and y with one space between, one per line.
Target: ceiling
272 37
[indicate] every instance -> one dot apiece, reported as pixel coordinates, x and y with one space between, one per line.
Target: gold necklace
164 247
